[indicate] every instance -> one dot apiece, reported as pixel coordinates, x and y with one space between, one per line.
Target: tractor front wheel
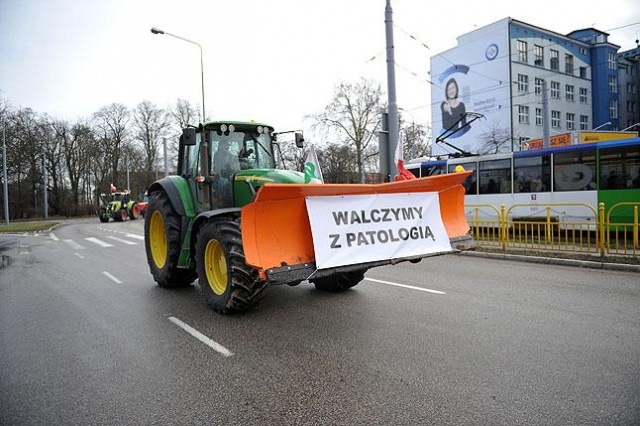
162 243
228 283
339 282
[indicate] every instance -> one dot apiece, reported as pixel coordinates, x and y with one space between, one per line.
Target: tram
565 182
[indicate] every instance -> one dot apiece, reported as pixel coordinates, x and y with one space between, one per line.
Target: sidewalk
555 261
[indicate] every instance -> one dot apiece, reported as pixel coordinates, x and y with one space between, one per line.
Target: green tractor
238 224
118 206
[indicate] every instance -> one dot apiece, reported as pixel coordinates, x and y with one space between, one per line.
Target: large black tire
162 243
228 283
120 215
339 282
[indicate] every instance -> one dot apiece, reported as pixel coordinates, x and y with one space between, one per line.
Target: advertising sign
599 136
471 78
561 139
354 229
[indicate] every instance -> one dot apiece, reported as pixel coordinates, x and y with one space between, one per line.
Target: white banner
354 229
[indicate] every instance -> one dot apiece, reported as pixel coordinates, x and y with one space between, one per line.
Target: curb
556 261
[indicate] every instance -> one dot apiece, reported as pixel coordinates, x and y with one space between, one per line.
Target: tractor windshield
240 150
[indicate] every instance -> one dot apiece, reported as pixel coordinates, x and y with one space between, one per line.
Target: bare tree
496 139
183 113
112 126
415 139
353 116
151 125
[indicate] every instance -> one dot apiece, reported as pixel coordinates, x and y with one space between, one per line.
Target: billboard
599 136
470 95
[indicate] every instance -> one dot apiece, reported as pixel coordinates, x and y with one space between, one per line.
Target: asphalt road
86 337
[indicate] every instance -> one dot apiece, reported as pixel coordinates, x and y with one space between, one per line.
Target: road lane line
427 290
74 245
53 237
111 277
131 243
79 255
98 242
137 237
204 339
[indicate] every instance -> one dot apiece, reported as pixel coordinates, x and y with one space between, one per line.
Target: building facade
511 82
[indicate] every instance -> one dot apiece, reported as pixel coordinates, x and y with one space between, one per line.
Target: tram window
532 174
471 184
574 171
433 169
620 168
495 176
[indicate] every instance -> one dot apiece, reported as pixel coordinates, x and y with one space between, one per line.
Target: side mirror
188 137
299 140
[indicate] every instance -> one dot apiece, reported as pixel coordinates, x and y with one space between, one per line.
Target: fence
595 234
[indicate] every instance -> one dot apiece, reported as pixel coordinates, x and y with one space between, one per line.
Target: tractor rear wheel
228 283
339 282
134 211
120 215
162 243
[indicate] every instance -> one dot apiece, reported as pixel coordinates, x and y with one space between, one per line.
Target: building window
555 90
523 83
538 59
583 95
569 92
613 108
584 122
539 117
583 72
538 86
568 64
571 121
555 60
523 114
555 119
583 51
611 61
522 51
613 84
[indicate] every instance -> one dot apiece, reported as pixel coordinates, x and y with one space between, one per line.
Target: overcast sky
273 61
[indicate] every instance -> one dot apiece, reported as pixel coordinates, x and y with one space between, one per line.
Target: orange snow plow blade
276 233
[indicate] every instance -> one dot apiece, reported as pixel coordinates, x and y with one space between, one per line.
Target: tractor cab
226 162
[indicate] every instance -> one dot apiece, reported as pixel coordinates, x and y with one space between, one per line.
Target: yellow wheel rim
158 239
215 266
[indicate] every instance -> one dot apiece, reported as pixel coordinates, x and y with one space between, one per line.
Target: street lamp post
158 31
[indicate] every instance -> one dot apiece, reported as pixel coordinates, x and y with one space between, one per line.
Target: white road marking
53 237
406 286
98 242
137 237
111 277
74 245
204 339
122 241
25 250
79 255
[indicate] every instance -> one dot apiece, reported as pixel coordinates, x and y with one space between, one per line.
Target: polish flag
403 174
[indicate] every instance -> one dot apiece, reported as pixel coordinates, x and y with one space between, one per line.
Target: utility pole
391 89
545 116
46 181
166 162
5 186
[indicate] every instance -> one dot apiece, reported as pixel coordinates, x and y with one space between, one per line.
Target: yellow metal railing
596 234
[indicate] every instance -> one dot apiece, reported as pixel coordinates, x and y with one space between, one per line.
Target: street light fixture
602 125
161 32
630 127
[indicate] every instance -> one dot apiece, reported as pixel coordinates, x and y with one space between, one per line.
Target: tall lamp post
158 31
